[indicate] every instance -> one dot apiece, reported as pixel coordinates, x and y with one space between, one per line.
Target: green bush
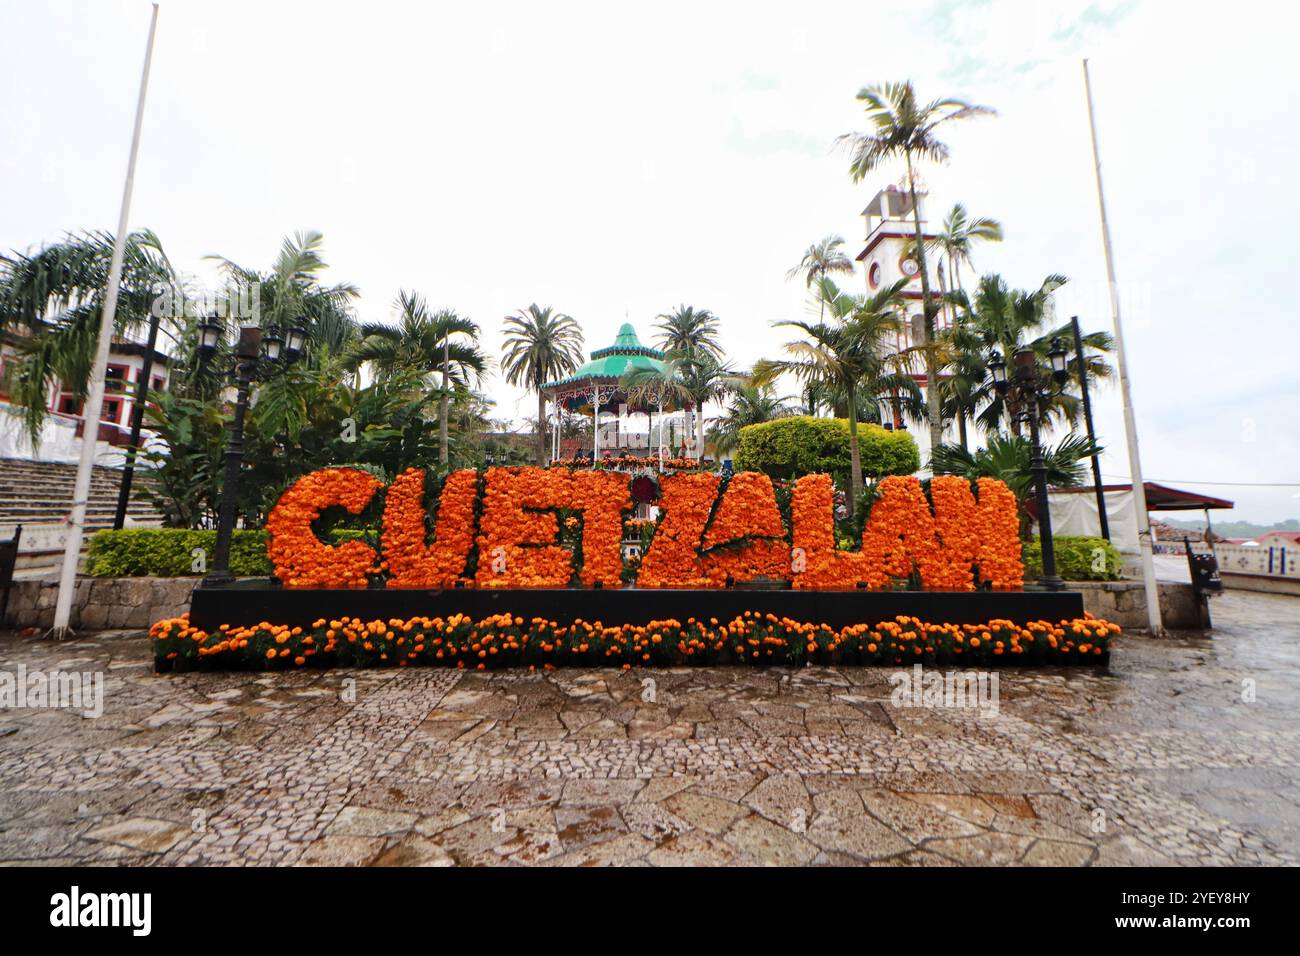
168 553
793 447
1077 559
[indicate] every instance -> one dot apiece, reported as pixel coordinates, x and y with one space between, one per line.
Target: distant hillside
1234 529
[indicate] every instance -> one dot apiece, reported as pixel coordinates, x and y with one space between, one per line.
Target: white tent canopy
1075 514
1074 510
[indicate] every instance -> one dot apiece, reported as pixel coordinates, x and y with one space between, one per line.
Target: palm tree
706 380
1008 458
750 404
956 239
1010 319
964 363
664 388
421 342
847 353
292 293
904 127
822 260
689 330
52 299
540 345
693 334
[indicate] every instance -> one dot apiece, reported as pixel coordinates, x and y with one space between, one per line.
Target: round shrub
792 447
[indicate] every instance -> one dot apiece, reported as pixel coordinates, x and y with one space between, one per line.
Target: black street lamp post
137 422
1027 385
252 351
1102 517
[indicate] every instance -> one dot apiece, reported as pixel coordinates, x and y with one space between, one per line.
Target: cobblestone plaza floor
1157 760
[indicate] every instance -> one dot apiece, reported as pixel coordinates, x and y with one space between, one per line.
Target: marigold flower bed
504 640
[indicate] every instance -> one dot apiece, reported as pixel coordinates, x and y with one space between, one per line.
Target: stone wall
1125 603
1267 583
101 603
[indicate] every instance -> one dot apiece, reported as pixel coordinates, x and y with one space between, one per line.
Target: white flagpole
95 400
1130 425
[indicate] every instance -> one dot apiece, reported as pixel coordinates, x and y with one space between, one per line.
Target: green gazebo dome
614 361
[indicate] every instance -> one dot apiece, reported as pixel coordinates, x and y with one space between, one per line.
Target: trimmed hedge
801 445
169 553
1078 558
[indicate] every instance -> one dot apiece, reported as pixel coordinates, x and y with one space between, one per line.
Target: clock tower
888 257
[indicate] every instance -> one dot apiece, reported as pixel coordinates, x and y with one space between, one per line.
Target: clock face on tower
873 275
909 266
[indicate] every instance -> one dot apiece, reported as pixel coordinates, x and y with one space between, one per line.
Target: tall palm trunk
953 288
443 451
943 288
932 412
541 427
699 431
961 427
812 401
855 455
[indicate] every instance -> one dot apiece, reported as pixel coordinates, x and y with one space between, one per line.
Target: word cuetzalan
502 529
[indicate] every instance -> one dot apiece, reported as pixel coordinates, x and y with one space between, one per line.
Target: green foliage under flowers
801 445
169 553
1078 558
504 640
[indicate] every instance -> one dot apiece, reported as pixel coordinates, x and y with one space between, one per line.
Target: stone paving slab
1186 751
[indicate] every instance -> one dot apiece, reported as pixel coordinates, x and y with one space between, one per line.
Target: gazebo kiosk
595 389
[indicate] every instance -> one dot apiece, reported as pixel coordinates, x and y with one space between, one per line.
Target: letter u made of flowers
414 562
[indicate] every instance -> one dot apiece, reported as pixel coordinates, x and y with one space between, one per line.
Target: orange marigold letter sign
902 534
301 559
747 511
516 541
816 562
959 542
899 534
672 560
410 560
603 497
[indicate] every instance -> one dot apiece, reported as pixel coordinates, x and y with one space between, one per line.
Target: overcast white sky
612 159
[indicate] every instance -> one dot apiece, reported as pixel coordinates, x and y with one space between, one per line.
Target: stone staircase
38 496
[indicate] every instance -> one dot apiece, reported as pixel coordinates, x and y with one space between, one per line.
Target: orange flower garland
301 559
505 640
672 560
413 563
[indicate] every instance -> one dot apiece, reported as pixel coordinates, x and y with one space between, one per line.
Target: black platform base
244 605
